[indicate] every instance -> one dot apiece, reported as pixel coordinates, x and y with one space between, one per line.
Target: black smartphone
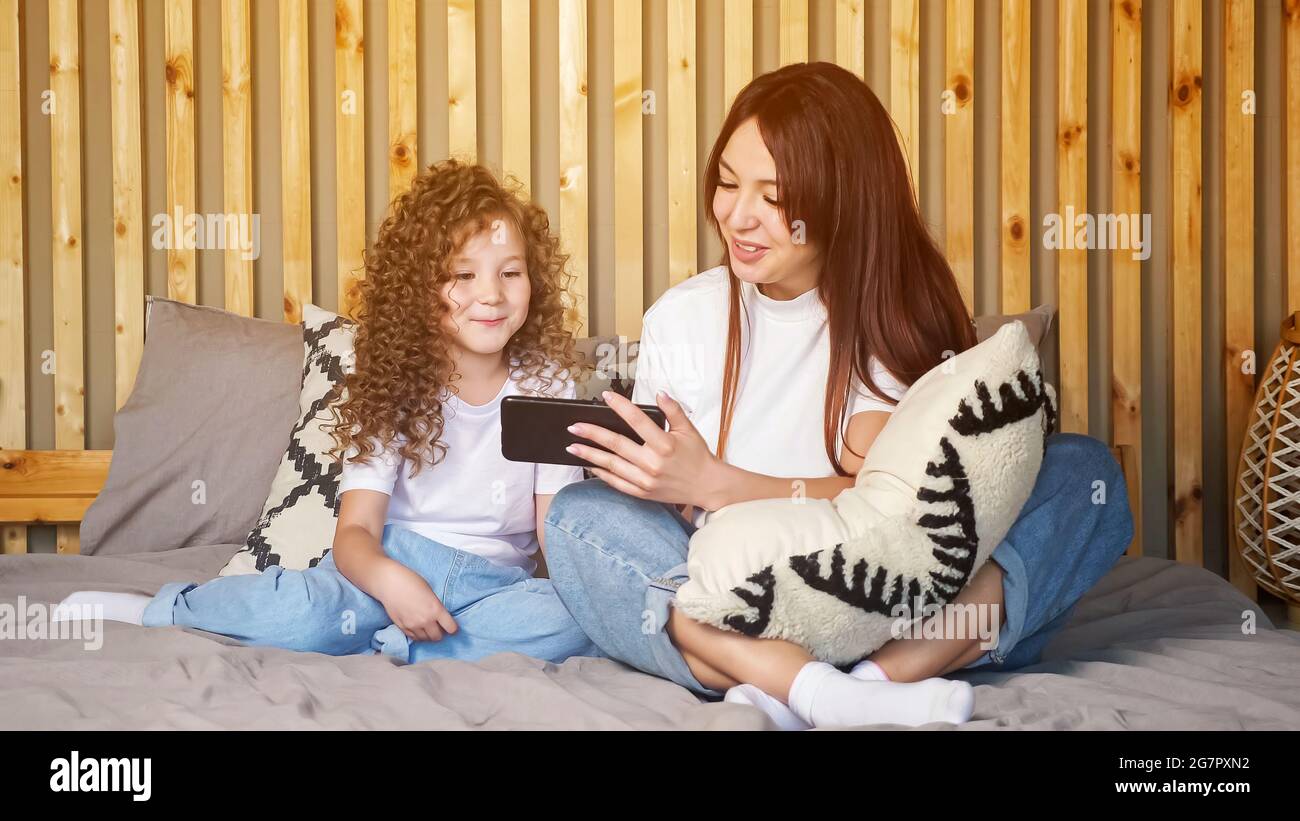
535 428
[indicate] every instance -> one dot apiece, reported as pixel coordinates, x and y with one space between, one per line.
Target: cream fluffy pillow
940 488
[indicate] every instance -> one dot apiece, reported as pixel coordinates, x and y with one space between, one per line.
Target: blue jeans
497 609
617 561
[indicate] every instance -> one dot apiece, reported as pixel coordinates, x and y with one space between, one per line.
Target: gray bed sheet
1156 645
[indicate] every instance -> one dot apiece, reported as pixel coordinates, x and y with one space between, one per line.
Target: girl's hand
674 466
414 607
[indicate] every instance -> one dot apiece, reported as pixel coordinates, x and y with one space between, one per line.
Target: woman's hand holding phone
414 607
674 466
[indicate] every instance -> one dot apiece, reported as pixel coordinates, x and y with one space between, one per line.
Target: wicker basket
1266 515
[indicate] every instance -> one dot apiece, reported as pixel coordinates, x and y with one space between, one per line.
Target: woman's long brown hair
887 289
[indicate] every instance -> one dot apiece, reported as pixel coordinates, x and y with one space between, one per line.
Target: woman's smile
747 252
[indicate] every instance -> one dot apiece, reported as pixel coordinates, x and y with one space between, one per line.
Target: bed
1156 645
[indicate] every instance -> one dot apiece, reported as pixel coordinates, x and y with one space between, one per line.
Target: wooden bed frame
50 486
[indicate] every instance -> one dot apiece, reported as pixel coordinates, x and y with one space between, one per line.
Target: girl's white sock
824 697
90 604
782 716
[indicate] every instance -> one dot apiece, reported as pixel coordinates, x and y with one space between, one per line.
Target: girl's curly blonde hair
403 357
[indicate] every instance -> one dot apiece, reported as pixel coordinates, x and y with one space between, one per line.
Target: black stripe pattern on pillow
879 590
316 473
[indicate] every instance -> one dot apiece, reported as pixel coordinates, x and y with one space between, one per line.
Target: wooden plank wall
1014 294
179 32
66 234
295 157
573 151
905 78
128 205
958 109
13 327
523 107
1126 271
629 241
1238 244
350 146
237 144
1072 198
1185 102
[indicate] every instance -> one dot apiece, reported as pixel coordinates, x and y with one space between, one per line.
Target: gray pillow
199 439
1037 321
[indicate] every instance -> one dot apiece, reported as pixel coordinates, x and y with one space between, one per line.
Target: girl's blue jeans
617 561
497 609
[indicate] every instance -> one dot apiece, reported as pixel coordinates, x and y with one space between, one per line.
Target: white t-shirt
776 428
475 499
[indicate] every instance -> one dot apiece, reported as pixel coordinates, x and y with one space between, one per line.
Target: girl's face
488 290
761 246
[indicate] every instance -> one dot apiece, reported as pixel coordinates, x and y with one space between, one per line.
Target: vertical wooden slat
959 146
349 146
794 31
516 95
1014 151
461 95
905 79
629 281
128 195
573 151
13 377
1126 268
1185 287
402 113
1072 202
178 30
1238 252
237 147
681 141
66 236
738 47
851 36
1291 69
295 157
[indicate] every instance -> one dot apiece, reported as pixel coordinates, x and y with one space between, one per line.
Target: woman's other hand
674 466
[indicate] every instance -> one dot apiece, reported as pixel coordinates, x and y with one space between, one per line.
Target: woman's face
762 248
488 290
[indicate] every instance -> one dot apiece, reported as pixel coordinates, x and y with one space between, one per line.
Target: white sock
782 716
825 697
90 604
867 670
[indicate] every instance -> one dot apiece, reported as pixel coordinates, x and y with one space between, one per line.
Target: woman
776 370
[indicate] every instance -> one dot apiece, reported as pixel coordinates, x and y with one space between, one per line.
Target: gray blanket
1156 645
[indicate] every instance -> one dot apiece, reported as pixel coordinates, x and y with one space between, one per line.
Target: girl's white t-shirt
776 428
475 499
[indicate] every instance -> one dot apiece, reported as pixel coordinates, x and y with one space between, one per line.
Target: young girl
462 305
